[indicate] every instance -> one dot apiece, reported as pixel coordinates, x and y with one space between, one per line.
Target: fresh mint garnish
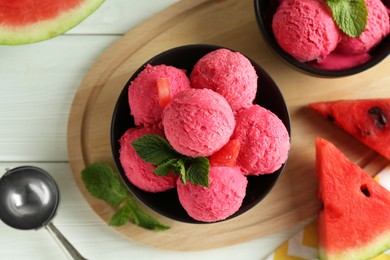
102 182
131 210
198 171
140 218
167 167
176 166
156 150
349 15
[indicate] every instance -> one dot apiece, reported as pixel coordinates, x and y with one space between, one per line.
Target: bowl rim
124 96
303 67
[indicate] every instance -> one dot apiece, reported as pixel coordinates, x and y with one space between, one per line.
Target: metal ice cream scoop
29 198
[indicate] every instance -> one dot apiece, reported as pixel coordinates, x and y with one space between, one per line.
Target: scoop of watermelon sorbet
305 29
228 73
143 92
264 139
377 28
139 172
220 200
198 122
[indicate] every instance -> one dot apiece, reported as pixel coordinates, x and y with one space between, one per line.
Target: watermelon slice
163 91
28 21
354 222
227 155
367 120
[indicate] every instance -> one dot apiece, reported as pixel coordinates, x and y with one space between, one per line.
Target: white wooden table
37 86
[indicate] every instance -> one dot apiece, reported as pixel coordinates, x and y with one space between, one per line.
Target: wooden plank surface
232 24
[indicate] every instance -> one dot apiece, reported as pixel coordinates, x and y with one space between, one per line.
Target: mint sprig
198 171
349 15
156 150
102 182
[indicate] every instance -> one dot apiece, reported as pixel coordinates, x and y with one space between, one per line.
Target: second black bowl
265 10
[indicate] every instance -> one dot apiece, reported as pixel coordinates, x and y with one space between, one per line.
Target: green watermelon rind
375 248
46 29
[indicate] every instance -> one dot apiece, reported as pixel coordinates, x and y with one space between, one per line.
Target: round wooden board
232 24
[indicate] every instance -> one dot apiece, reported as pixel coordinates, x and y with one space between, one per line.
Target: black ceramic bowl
265 10
167 203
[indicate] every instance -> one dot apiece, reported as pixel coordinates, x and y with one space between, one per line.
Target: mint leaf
180 167
349 15
181 170
121 217
131 211
103 183
175 166
166 168
140 218
198 171
154 149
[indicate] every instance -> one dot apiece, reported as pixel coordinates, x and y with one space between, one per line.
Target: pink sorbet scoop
143 92
378 27
228 73
220 200
264 139
139 172
198 122
305 29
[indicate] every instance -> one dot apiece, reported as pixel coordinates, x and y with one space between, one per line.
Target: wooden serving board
232 24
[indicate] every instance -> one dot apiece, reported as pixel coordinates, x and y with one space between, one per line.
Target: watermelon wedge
163 91
367 120
227 155
28 21
354 222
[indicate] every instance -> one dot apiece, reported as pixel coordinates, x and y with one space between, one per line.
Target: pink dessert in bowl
198 122
378 27
264 139
305 29
220 200
331 63
229 74
190 203
139 172
143 92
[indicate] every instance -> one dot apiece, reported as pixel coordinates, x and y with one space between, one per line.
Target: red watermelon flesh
367 120
354 222
27 21
22 12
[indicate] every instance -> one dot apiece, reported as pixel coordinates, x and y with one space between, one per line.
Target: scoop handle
69 248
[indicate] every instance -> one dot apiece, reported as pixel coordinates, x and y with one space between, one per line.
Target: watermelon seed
330 118
365 190
379 117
